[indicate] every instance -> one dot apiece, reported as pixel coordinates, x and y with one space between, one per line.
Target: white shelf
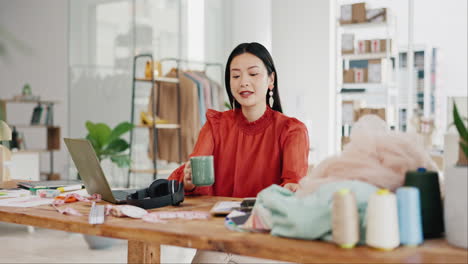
159 79
31 151
23 101
161 126
364 25
363 85
30 126
365 56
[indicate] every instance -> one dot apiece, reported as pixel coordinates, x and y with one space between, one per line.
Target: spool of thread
345 219
431 203
382 221
409 216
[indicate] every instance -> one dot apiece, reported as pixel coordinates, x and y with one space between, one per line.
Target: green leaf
99 132
119 130
122 161
453 124
227 105
116 146
95 145
459 124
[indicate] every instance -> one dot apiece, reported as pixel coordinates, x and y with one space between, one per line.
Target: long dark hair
262 53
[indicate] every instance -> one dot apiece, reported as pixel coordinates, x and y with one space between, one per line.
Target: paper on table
29 201
224 207
14 193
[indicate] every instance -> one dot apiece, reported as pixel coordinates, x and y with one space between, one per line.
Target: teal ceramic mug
202 170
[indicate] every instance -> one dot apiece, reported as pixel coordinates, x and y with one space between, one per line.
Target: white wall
303 46
43 26
239 21
251 22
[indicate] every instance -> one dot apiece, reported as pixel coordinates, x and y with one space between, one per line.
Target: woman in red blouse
254 145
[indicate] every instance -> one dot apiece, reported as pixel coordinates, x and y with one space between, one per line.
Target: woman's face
249 80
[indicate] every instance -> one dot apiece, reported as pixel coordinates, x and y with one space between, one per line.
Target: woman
254 145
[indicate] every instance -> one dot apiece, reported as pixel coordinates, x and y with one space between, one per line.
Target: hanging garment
206 88
216 94
168 148
201 97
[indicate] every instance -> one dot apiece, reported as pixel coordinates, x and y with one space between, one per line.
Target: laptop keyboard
120 195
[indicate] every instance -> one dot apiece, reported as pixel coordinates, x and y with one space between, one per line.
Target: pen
70 188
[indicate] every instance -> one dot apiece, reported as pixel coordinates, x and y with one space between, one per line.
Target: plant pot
97 242
455 204
462 159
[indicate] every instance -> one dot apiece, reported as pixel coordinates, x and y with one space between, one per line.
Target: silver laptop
91 173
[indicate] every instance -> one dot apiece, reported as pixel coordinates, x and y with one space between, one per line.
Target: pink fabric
374 155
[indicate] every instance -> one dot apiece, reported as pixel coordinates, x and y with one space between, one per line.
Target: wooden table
144 239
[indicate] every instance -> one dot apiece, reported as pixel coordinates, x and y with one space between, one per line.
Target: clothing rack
155 108
180 61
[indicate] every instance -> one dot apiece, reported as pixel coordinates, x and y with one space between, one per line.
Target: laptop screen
89 168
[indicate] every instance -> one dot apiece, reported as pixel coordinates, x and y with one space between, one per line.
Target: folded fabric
261 219
307 217
374 155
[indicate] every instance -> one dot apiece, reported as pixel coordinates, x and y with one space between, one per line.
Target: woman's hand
188 185
291 186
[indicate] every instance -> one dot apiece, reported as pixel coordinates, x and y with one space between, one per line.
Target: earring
271 100
233 103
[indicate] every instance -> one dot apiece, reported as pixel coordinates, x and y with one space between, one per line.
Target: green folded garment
310 217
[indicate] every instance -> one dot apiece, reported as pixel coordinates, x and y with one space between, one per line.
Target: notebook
48 184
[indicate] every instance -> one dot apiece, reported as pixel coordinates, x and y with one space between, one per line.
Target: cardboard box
376 15
380 112
380 45
348 112
346 14
374 71
348 76
53 138
53 176
439 161
347 43
344 141
360 75
359 13
363 46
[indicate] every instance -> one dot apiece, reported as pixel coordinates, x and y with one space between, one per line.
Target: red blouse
250 156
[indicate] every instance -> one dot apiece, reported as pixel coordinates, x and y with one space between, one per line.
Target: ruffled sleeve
295 145
203 147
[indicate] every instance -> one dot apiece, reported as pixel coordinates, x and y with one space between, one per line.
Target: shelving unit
53 132
155 111
425 86
383 94
156 103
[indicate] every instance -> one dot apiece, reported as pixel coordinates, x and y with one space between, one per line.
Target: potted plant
456 189
108 144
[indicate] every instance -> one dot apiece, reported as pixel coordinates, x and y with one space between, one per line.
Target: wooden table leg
142 252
